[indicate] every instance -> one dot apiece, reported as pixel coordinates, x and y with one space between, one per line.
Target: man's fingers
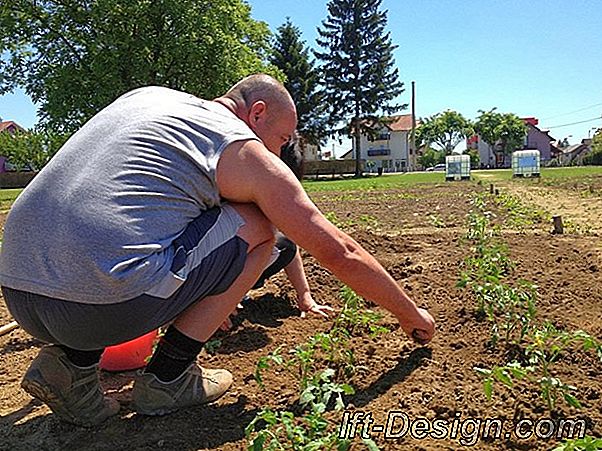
226 325
324 314
318 309
420 336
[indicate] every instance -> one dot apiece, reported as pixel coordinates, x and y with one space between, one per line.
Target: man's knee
287 248
257 229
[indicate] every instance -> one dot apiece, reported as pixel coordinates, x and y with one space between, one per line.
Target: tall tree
446 130
291 56
74 57
360 81
503 132
595 156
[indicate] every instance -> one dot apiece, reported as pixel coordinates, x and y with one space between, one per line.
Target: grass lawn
497 175
373 182
7 197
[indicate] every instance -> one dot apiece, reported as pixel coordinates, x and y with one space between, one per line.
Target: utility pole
412 152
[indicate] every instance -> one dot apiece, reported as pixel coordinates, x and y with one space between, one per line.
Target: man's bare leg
201 320
173 380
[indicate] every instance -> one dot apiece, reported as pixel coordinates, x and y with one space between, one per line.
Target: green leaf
327 374
502 375
482 371
306 396
488 388
258 442
518 372
347 389
343 445
319 407
572 401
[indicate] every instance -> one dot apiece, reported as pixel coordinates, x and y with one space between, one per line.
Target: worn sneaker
195 386
72 393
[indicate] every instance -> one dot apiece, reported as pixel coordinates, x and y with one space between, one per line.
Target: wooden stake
558 228
7 328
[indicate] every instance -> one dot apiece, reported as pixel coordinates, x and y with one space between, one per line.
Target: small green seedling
213 345
587 443
504 374
546 347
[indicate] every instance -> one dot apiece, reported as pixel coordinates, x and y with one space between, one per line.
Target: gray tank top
96 224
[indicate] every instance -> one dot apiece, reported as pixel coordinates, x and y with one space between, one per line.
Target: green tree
446 130
503 132
30 149
475 158
74 57
359 79
291 56
431 157
595 156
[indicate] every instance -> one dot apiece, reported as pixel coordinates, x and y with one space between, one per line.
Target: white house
311 152
389 149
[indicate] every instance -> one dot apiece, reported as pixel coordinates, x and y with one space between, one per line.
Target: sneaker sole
44 394
156 412
167 411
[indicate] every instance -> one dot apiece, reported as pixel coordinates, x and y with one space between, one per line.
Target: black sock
82 358
175 352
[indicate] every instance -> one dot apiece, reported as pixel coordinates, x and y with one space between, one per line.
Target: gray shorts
210 265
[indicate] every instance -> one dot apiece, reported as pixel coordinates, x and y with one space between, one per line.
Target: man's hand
227 324
307 304
420 327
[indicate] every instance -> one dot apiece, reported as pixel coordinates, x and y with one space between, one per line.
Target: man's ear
257 111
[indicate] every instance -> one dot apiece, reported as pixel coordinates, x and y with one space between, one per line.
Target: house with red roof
10 127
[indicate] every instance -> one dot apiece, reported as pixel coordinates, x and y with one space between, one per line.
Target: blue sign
378 152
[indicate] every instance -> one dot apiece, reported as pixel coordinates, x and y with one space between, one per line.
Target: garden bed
417 233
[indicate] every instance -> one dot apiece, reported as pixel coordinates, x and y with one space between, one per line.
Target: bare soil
417 234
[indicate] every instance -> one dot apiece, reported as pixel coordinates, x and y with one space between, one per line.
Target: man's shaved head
260 87
265 105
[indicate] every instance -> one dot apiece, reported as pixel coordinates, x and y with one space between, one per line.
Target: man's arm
296 274
248 172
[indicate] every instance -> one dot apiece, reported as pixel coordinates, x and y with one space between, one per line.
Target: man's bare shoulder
245 168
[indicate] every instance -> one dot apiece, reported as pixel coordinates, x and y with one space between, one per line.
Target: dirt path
580 210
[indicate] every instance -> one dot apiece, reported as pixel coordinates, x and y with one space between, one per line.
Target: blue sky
532 58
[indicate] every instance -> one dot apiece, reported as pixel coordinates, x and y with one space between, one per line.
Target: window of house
383 135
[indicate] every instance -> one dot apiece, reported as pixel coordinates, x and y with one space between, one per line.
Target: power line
572 112
579 122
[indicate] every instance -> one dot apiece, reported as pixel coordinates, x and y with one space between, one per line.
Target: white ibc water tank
457 167
525 163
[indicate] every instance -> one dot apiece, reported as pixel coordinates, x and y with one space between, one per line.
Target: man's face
274 128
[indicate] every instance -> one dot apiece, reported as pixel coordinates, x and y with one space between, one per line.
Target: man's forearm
365 275
296 274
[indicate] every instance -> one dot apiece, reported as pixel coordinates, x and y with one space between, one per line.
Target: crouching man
162 210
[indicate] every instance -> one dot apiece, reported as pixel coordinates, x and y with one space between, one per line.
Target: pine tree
302 80
359 77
